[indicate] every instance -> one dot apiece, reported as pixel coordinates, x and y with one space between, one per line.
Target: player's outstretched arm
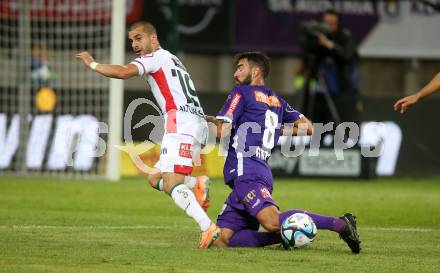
301 127
433 86
108 70
222 128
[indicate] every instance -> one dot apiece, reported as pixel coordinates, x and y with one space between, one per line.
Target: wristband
93 65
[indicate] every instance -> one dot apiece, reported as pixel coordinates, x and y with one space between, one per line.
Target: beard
246 81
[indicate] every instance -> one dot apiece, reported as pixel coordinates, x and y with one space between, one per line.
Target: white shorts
177 154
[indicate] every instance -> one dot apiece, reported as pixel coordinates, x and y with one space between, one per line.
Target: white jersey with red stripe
174 92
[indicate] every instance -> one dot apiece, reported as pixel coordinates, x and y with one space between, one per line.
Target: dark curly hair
256 58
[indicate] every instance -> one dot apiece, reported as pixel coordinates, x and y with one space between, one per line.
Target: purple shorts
248 197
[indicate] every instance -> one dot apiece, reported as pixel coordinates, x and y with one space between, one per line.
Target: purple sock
322 222
253 238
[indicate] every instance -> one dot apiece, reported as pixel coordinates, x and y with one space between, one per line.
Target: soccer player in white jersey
185 126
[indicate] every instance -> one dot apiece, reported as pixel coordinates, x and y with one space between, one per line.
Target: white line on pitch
90 227
400 229
385 229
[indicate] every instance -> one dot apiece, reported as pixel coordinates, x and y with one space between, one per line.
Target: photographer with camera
329 54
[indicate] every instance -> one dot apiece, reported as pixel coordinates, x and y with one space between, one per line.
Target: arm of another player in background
222 127
109 70
300 127
431 87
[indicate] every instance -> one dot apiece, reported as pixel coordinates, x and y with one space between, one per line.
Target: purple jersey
256 114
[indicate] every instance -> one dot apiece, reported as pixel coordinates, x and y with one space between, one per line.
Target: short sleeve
233 107
145 64
290 115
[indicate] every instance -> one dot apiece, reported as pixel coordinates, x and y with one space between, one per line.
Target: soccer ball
298 230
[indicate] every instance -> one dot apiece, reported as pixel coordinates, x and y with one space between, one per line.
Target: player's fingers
403 108
397 105
82 54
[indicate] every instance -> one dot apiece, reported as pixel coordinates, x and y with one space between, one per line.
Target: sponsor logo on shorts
249 196
185 150
163 151
265 193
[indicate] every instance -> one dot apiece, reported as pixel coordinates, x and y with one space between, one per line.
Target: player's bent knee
170 180
168 186
268 218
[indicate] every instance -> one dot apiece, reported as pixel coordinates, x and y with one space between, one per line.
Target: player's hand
402 104
210 119
85 57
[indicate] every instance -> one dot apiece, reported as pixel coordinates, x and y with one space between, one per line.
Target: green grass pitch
49 225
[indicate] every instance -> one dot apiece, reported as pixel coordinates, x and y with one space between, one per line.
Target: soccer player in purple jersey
253 117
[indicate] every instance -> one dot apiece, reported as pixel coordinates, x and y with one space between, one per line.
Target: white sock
185 199
190 181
